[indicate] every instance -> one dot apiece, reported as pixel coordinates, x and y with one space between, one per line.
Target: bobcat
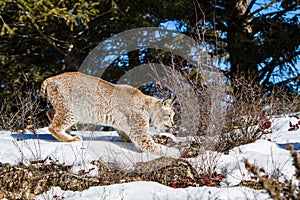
77 97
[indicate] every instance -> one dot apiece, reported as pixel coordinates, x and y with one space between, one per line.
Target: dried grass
21 111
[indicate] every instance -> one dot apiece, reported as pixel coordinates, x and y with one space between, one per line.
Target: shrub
21 111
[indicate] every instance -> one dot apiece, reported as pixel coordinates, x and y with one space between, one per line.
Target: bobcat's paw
76 139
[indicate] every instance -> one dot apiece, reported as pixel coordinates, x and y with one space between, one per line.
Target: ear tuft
168 102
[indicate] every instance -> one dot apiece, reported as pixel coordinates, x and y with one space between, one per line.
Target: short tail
43 91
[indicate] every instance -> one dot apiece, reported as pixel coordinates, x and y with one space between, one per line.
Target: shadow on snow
51 138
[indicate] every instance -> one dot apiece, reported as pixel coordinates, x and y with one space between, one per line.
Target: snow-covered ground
268 152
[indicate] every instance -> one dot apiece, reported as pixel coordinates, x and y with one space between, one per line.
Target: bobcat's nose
169 129
166 126
173 123
170 124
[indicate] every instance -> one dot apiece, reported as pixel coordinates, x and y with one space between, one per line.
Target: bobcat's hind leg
59 125
50 114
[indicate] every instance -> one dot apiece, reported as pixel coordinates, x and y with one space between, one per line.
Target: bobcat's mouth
167 126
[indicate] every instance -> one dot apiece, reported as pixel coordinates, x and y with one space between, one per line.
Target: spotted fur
77 97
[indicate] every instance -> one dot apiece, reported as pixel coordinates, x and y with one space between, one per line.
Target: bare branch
264 7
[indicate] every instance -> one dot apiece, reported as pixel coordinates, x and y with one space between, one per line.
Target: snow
154 191
261 153
268 152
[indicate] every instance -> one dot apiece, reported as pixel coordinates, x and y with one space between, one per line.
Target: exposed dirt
25 182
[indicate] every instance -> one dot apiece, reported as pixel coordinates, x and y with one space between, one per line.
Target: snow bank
154 191
268 152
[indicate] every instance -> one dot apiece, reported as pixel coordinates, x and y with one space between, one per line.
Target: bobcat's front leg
142 140
138 135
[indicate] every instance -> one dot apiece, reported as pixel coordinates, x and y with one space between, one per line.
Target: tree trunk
242 51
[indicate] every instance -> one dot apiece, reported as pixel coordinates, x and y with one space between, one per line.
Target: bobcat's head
162 115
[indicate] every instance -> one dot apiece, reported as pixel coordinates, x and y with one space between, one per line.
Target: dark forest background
256 40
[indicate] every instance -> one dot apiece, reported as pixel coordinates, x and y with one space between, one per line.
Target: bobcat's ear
168 102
